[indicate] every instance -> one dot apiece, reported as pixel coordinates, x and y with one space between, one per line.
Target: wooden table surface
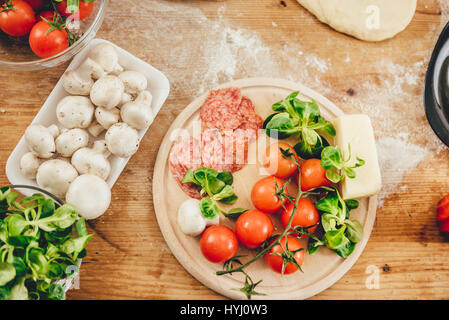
199 44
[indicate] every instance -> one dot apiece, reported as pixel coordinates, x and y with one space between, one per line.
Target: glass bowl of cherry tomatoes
38 34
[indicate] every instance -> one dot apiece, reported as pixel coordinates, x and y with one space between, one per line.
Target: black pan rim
432 108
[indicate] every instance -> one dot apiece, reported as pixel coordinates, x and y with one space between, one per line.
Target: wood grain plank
128 257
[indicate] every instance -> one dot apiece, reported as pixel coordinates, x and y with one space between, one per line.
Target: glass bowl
68 282
15 53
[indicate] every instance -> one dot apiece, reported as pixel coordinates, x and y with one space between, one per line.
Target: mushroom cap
74 84
41 140
55 176
134 81
29 163
79 81
106 56
71 140
93 160
75 112
90 195
107 92
107 117
138 114
122 140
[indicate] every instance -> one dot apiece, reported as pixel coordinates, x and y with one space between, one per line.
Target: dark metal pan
436 92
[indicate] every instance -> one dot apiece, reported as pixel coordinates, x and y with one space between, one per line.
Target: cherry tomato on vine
313 175
275 261
36 4
218 244
275 162
45 44
84 11
306 215
252 228
17 18
263 194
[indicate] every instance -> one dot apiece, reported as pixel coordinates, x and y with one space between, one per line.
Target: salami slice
251 120
185 155
221 109
225 151
214 152
229 123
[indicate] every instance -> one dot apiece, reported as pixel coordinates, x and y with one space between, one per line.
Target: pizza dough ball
370 20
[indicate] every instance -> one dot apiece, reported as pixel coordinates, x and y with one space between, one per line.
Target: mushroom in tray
29 163
81 80
75 112
55 176
71 140
138 113
134 82
90 195
107 117
93 160
122 140
105 55
107 92
41 140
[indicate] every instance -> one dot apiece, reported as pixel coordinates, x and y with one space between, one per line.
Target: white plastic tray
158 85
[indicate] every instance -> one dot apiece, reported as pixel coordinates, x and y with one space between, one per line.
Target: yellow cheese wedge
356 130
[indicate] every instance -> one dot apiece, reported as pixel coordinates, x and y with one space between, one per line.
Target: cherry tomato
443 209
444 225
84 11
443 214
313 175
306 215
45 44
36 4
49 15
263 194
275 261
17 22
252 228
276 164
218 244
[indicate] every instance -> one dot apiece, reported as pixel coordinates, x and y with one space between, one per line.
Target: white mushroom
90 195
122 140
75 112
80 81
93 160
41 140
134 82
190 219
126 97
107 92
107 117
71 140
106 56
138 113
29 163
55 176
95 129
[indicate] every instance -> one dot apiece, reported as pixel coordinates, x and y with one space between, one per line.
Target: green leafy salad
40 243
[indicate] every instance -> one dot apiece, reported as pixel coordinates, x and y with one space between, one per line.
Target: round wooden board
320 270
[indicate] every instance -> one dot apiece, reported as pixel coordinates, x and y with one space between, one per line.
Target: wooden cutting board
320 270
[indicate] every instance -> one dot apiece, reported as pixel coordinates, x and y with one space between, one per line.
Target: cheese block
356 130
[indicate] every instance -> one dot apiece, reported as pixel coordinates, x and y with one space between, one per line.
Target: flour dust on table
221 51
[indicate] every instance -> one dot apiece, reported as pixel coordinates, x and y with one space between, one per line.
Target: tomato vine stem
278 238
